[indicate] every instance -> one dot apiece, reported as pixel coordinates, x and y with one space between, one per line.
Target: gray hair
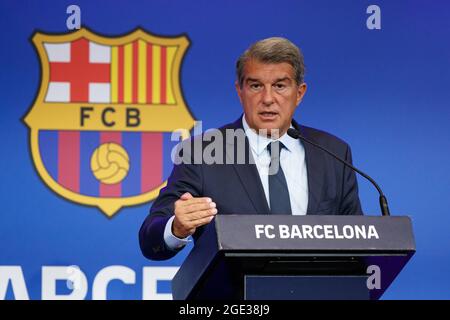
273 50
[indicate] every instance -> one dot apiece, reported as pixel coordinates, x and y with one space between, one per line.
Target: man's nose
268 96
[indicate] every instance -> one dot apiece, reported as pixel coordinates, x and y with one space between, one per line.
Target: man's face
269 95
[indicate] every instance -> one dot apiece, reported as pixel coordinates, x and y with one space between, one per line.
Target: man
270 85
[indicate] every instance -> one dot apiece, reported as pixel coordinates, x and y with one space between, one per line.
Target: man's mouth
268 115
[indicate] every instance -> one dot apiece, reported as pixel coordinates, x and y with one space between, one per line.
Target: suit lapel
248 174
315 171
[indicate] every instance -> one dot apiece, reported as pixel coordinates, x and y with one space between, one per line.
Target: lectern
285 257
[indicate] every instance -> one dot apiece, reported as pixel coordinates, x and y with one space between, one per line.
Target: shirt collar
259 143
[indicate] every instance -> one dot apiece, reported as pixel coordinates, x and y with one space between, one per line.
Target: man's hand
191 213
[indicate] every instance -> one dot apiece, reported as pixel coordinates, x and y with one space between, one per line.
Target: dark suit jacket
237 188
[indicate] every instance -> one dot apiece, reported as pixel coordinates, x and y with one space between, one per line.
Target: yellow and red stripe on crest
141 72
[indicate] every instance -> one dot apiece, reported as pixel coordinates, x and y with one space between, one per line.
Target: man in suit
268 173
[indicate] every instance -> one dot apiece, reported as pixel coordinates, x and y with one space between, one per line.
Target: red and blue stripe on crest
67 154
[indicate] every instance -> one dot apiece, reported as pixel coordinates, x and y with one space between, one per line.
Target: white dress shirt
292 161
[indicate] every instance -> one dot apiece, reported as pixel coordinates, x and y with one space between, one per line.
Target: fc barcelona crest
101 123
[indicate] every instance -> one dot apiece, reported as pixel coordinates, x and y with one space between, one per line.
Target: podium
285 257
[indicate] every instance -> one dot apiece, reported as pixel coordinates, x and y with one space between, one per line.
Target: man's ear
238 90
301 90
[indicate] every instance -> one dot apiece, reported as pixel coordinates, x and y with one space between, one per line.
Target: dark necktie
278 190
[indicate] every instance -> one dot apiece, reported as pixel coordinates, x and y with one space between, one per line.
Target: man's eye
280 86
255 86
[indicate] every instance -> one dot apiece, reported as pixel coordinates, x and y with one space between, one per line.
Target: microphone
293 133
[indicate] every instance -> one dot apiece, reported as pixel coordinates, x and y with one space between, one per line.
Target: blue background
386 92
